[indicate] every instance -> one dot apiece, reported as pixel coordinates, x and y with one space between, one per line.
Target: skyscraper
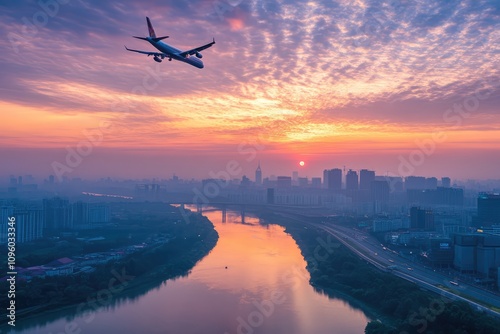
29 224
431 183
332 178
366 177
316 182
284 182
488 209
445 182
57 213
351 180
258 175
421 219
5 213
415 182
80 214
380 191
270 195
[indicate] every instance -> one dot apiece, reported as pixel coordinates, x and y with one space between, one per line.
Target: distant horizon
401 88
235 165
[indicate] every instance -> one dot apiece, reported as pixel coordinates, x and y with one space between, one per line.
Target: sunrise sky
361 84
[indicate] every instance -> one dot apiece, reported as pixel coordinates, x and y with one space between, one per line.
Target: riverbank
120 280
398 305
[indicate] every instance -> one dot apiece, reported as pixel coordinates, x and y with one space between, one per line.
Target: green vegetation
186 244
139 222
402 306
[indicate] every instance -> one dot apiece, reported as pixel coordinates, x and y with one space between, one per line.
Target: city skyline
401 88
238 173
257 176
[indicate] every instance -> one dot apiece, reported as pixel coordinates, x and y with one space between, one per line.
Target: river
264 290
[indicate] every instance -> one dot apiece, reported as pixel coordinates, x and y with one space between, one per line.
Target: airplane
169 52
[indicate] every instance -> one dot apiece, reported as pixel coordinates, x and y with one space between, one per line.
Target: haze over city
250 166
332 83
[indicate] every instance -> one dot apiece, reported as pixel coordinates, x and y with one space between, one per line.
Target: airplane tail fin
152 33
156 39
150 28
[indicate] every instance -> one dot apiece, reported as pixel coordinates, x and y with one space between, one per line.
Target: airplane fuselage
174 53
190 56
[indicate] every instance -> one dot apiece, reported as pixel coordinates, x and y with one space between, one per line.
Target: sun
302 163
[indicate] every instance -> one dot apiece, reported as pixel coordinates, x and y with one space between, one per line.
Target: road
370 250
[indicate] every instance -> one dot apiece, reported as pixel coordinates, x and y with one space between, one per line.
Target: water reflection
253 281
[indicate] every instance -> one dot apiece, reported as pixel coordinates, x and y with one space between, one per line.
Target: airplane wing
198 49
157 54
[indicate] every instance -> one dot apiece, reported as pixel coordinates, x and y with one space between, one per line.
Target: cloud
397 62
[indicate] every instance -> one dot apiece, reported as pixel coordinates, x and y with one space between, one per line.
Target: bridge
223 206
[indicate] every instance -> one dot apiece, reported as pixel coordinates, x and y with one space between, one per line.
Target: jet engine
199 55
158 60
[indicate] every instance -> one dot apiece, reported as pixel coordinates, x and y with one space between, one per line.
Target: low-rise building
477 253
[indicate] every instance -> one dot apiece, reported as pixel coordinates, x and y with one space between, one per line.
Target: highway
383 258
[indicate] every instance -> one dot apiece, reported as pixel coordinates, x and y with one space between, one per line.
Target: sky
399 87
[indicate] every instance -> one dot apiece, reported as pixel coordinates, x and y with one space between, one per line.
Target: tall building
29 224
80 214
99 213
258 175
5 213
477 253
380 191
332 178
57 213
351 180
303 182
395 182
445 182
441 252
431 183
270 196
488 209
421 219
415 182
284 182
464 259
245 182
87 215
13 181
438 196
316 182
366 177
